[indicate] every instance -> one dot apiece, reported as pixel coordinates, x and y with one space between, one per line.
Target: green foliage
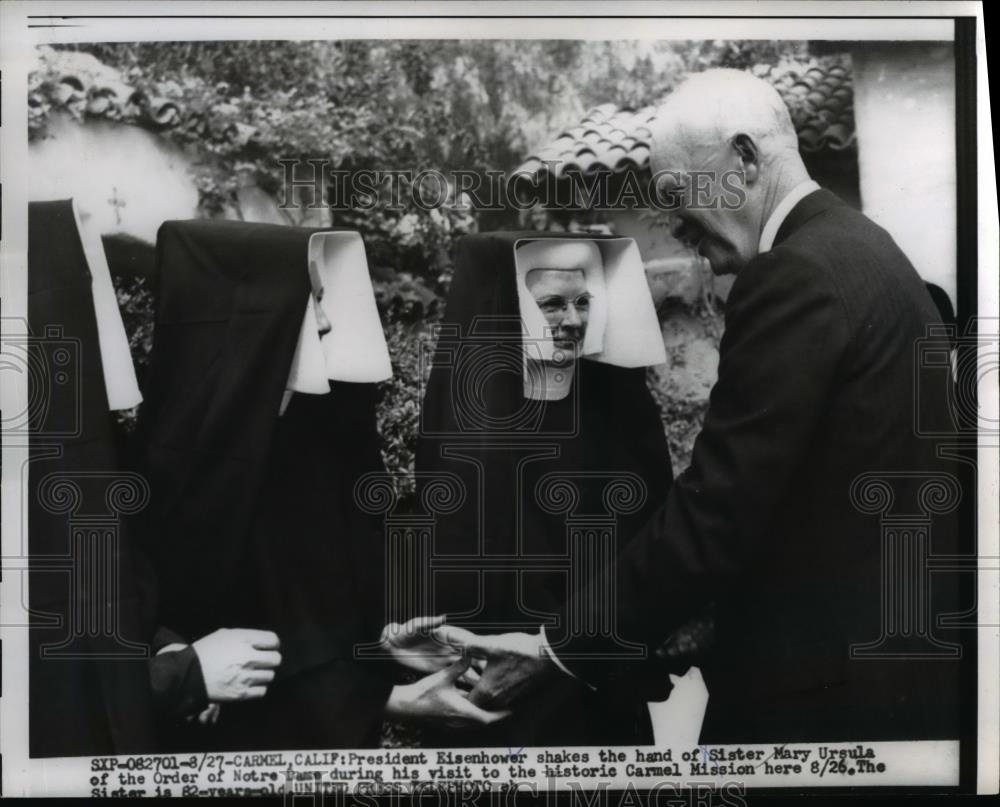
741 54
387 105
135 302
410 346
406 299
682 420
137 307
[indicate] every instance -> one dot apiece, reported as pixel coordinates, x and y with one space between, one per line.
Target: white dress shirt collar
780 213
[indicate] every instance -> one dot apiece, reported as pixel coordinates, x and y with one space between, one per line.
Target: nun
259 420
88 634
536 399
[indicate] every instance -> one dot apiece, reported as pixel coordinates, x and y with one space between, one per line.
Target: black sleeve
165 636
786 333
177 683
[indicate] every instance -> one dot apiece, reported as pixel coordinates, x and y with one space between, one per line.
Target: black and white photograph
484 400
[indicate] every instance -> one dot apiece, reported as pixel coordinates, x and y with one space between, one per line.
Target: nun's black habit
253 514
88 679
608 425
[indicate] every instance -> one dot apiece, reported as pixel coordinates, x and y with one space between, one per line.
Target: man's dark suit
816 387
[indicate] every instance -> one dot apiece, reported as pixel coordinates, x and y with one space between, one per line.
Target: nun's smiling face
563 298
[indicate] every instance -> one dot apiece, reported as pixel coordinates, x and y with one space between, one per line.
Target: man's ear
749 156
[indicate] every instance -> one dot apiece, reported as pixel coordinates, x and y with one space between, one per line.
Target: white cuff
547 649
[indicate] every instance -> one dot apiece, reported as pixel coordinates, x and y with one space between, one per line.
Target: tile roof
819 95
820 98
80 84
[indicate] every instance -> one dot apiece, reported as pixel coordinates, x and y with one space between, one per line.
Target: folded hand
237 664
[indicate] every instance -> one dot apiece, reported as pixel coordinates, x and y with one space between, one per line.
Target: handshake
467 680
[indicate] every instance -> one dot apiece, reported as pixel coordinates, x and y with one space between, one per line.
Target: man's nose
572 318
677 227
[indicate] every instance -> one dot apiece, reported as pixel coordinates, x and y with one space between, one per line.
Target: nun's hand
237 664
435 699
416 646
208 716
514 664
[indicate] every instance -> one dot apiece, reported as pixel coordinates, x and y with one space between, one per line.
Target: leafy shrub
410 345
136 305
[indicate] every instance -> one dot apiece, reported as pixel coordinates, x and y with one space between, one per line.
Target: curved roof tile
819 96
85 87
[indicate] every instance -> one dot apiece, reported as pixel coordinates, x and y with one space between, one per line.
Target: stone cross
118 203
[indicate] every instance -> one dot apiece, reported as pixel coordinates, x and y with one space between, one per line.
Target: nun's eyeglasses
554 304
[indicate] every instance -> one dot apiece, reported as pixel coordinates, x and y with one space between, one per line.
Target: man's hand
414 644
436 699
237 664
515 663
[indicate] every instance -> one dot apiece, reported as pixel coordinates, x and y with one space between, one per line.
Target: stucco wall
904 107
128 179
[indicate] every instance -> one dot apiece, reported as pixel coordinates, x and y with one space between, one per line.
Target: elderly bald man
817 387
